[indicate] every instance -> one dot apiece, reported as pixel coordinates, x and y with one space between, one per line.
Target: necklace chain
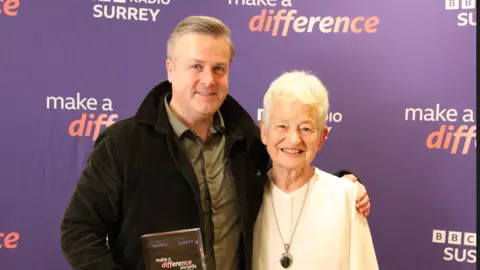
287 245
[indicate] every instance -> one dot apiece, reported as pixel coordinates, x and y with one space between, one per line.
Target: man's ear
170 69
263 132
323 135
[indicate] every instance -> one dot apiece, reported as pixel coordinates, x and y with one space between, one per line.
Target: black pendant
286 260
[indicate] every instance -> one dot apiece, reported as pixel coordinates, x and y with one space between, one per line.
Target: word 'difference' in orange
9 7
9 240
83 127
283 20
443 138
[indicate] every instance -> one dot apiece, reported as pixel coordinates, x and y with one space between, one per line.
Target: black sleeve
93 210
341 173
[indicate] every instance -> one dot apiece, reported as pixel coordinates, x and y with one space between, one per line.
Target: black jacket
137 181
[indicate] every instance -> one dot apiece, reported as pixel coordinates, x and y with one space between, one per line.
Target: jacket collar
152 112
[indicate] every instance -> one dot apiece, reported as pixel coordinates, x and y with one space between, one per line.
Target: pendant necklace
286 259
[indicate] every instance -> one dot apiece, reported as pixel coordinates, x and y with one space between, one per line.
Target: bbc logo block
454 238
459 4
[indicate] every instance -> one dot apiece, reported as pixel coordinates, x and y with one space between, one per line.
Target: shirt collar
179 128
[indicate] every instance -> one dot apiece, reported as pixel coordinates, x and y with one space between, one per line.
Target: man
308 219
190 157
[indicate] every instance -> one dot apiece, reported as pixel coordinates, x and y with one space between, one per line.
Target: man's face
199 75
293 136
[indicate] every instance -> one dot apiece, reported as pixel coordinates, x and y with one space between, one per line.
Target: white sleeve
362 252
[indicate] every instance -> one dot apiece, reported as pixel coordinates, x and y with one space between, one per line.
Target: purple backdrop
402 73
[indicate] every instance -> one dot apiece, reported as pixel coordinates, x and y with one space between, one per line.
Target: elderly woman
308 219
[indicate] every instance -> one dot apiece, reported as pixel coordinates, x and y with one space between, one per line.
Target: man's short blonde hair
203 25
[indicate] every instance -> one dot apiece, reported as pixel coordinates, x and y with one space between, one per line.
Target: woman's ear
323 135
263 132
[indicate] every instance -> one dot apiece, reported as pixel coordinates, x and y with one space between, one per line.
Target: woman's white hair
300 86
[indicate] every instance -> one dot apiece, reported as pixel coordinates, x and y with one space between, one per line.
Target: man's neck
200 125
290 180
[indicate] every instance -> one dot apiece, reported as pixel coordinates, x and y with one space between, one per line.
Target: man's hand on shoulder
363 201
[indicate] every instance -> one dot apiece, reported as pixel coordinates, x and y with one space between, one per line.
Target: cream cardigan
331 235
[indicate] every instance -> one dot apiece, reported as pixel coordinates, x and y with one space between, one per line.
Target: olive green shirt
217 194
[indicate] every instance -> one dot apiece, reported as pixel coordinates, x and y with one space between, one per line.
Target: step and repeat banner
401 77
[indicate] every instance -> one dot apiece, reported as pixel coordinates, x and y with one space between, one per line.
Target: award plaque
181 249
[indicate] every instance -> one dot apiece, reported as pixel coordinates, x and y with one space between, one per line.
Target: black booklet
182 249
